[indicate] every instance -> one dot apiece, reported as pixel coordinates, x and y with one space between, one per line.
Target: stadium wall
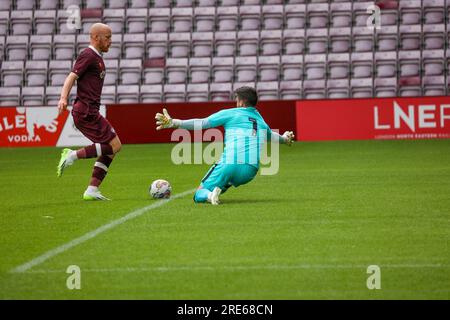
312 120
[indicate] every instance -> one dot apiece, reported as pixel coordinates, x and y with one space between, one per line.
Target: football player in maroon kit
89 72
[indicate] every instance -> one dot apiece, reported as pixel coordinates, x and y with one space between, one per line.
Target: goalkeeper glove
288 137
164 121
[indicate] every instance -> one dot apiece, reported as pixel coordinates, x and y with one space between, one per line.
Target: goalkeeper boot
214 196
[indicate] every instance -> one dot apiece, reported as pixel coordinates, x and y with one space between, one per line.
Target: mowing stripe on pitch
92 234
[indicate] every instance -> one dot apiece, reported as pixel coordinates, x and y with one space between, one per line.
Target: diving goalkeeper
245 133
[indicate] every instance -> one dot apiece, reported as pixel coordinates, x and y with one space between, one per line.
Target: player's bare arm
68 84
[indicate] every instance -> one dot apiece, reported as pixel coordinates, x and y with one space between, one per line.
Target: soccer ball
160 189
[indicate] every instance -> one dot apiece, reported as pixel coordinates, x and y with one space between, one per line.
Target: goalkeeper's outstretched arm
286 138
165 121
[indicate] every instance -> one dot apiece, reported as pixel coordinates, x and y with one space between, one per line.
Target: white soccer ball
160 189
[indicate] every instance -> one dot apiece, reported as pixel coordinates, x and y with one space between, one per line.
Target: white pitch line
246 268
92 234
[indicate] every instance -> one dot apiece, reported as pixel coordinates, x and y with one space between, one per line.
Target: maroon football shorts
94 127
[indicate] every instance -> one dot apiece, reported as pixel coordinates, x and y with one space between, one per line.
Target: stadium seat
202 44
154 71
410 87
112 72
128 94
433 11
44 21
4 22
108 95
317 15
181 19
360 14
220 91
433 62
63 46
33 96
247 43
270 43
272 17
340 40
338 89
338 65
361 88
433 86
410 12
409 63
222 69
88 18
9 96
52 95
292 67
385 87
250 17
204 19
197 92
176 70
267 90
389 12
250 2
294 41
6 4
12 73
179 45
230 2
83 41
387 38
67 3
291 90
134 45
363 39
245 68
48 4
434 36
65 24
314 66
151 93
115 18
36 73
295 16
161 3
183 3
90 4
130 71
410 37
237 85
386 64
41 47
16 48
174 92
341 14
2 47
115 50
117 4
225 44
21 22
268 68
314 89
362 64
136 20
156 45
227 18
159 20
199 70
206 3
58 70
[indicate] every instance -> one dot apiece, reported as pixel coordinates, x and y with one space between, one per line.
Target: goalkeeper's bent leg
201 195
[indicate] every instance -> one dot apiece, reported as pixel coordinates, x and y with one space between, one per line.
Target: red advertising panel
383 118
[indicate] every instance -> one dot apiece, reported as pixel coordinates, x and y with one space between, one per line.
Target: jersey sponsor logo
102 70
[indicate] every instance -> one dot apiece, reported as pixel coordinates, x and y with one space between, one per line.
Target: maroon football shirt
90 69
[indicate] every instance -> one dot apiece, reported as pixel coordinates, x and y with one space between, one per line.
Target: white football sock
72 156
91 189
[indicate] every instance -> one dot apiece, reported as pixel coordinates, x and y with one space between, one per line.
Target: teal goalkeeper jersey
245 134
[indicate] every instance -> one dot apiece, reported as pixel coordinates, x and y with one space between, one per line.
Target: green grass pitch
309 232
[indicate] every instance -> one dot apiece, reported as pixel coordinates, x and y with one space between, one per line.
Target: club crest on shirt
103 71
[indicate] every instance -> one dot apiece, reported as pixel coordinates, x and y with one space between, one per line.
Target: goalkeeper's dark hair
248 95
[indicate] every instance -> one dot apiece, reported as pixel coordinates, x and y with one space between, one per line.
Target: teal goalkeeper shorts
226 175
